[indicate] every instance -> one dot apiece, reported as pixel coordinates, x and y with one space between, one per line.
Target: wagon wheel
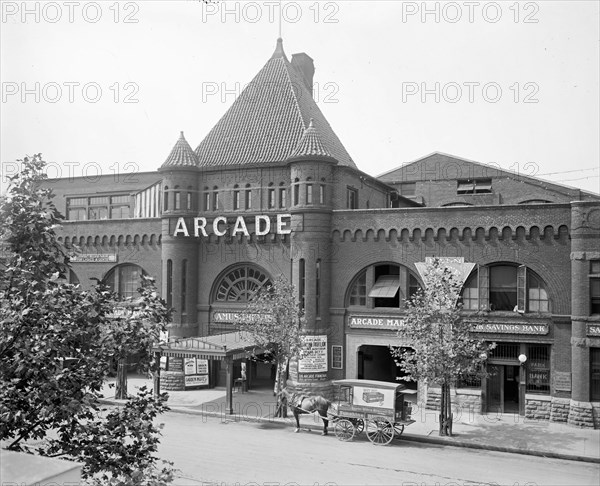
380 430
359 424
398 428
344 429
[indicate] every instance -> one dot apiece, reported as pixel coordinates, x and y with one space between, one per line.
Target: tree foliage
274 320
56 346
443 346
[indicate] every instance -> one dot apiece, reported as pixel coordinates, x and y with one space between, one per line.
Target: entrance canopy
234 345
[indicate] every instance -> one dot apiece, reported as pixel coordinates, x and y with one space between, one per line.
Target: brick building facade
271 190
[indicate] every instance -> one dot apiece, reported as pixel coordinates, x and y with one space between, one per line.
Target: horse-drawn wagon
377 407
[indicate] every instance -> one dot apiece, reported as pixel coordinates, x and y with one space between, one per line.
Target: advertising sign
175 364
373 397
190 366
314 355
202 366
196 380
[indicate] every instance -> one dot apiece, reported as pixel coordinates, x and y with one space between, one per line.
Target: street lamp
522 359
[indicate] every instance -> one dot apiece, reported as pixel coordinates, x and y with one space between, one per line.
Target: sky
106 87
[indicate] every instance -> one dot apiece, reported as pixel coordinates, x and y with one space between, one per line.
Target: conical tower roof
311 146
182 155
268 119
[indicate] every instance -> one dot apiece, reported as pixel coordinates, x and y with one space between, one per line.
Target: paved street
211 451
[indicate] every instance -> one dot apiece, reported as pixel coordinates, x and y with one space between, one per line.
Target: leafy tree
443 346
273 318
56 343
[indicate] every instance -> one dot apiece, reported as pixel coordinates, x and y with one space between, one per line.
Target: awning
234 345
386 287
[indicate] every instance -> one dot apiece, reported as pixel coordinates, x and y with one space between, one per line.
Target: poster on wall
202 366
196 380
190 366
175 364
312 366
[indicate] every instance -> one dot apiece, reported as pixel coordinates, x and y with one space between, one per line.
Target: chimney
304 64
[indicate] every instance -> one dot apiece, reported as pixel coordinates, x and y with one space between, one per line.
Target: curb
405 436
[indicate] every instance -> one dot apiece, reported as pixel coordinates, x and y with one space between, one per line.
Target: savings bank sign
263 225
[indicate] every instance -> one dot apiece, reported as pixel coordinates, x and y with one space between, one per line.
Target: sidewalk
503 433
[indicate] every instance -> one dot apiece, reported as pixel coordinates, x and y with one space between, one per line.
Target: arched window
302 283
73 278
248 197
309 191
271 196
189 198
318 288
505 287
125 280
322 192
177 197
183 285
206 199
169 283
166 198
296 191
241 284
215 198
282 195
236 197
392 286
358 290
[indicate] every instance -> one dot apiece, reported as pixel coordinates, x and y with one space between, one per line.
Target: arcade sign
375 322
219 226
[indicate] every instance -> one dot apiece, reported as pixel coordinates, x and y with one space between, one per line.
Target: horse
300 404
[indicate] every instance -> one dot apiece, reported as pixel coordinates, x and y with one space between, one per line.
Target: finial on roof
181 134
278 49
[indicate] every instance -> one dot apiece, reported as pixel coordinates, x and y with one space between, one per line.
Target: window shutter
483 275
404 285
521 288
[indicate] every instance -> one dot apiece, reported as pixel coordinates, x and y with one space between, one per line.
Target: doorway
377 363
503 388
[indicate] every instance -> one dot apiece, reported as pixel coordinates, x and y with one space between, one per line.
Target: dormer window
474 186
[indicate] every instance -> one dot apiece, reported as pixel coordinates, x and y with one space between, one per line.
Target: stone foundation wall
596 414
559 409
581 414
172 380
538 407
462 399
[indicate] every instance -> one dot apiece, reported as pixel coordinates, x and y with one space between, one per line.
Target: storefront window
595 287
595 374
538 369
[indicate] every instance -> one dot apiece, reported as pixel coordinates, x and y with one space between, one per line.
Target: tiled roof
267 120
182 155
310 145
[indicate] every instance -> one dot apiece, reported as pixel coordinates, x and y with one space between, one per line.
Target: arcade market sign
263 225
